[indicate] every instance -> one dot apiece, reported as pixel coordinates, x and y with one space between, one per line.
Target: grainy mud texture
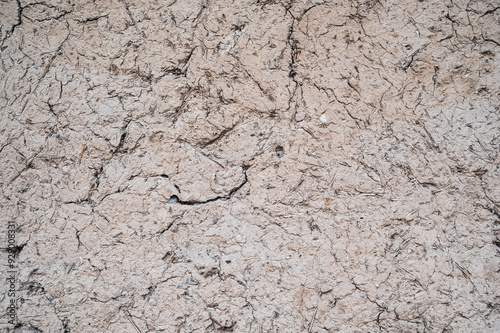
255 166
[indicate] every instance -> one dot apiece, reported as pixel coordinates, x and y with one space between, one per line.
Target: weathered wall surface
260 166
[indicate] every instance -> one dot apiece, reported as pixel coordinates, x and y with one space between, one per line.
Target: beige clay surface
254 166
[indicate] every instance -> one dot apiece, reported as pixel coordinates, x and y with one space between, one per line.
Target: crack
180 110
344 104
412 57
4 145
92 19
167 228
122 139
196 19
185 61
431 139
120 144
97 177
294 53
59 51
56 18
77 234
64 321
465 272
134 23
453 22
20 15
491 11
176 199
219 136
26 166
120 190
29 327
262 90
491 41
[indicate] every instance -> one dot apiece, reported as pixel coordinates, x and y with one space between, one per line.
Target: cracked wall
258 166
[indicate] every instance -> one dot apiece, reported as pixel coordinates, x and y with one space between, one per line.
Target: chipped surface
194 166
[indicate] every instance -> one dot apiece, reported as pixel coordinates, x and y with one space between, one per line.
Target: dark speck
280 151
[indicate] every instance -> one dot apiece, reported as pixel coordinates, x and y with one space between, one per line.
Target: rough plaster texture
255 166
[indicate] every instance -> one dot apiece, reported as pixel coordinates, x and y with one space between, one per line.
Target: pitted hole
280 152
173 199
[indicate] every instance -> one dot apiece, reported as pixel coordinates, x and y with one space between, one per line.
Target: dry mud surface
264 166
